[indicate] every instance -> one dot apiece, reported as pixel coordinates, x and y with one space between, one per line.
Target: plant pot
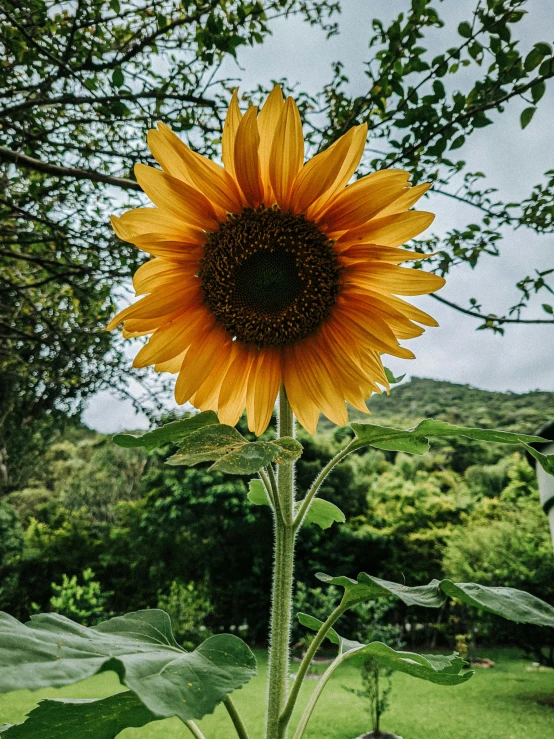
379 735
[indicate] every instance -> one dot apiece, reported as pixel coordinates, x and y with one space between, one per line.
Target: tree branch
489 317
22 160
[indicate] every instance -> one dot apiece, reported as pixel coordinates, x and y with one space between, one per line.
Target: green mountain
420 398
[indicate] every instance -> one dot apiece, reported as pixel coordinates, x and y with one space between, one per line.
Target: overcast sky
513 160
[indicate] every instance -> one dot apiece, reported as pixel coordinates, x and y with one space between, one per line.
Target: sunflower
270 271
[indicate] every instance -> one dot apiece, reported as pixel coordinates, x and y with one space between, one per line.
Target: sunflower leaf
256 493
247 459
313 623
52 651
416 440
511 604
97 719
441 669
290 449
231 452
207 445
324 514
173 432
545 460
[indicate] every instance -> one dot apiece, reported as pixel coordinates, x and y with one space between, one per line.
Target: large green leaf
172 432
367 587
440 669
416 440
94 719
231 452
514 605
52 651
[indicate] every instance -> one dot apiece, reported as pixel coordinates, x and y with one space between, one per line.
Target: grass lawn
506 702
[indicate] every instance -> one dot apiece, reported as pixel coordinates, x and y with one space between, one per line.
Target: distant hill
420 398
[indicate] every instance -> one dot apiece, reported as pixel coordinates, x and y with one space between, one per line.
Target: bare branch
22 160
490 317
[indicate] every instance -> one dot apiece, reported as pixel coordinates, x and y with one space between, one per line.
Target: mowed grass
509 701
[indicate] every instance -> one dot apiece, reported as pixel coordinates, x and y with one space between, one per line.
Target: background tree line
133 532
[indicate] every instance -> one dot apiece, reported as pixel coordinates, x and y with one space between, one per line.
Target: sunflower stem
282 585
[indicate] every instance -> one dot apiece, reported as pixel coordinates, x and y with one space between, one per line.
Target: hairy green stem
312 492
194 730
308 657
282 584
235 718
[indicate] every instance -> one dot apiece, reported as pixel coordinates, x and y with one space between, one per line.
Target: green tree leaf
537 91
118 78
172 432
52 651
511 604
95 719
464 29
526 116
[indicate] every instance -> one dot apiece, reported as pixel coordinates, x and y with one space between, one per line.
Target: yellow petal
172 365
142 221
207 176
287 153
157 272
206 397
267 125
206 352
172 251
362 200
303 407
393 230
406 200
230 128
159 303
148 325
173 338
349 166
388 278
319 174
263 385
372 253
232 396
167 156
247 161
176 197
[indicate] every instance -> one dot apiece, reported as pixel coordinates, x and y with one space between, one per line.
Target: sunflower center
269 277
